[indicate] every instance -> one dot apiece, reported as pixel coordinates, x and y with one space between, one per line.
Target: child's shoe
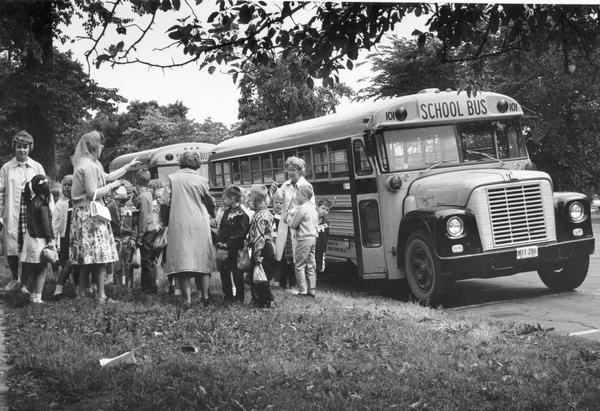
25 291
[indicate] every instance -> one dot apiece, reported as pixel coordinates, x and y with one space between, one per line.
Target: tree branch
97 40
144 32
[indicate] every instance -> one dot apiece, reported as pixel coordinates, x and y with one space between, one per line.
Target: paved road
521 298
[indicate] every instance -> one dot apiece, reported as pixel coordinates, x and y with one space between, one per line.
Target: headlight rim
460 233
579 219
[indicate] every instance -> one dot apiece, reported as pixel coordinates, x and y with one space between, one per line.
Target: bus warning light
401 114
502 106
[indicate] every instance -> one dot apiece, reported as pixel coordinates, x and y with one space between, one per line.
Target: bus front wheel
567 276
423 276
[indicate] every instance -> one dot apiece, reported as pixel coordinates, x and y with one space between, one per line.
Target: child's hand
131 243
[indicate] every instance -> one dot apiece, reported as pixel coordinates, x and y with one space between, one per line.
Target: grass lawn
337 351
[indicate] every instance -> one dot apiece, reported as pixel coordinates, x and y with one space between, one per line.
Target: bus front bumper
505 262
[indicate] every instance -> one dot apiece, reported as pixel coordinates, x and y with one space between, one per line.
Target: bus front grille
516 214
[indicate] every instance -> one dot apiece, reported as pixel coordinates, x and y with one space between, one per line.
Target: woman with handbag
190 251
39 235
92 245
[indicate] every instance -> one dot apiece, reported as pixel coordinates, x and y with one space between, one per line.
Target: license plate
527 252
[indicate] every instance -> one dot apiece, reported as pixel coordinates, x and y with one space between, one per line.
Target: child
303 219
39 233
62 228
123 217
284 269
261 242
146 231
323 207
233 228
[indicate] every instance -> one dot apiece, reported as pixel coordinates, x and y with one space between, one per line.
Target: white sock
58 290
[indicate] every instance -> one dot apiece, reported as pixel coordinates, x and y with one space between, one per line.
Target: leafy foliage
278 94
328 36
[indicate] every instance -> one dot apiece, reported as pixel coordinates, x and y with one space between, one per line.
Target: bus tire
566 277
426 283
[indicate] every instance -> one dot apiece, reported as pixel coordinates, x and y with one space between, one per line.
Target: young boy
303 219
233 229
261 241
124 215
62 227
323 207
146 231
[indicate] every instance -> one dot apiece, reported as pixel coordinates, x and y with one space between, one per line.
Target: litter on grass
125 358
189 349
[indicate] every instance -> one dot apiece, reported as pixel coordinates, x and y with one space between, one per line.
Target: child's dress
39 232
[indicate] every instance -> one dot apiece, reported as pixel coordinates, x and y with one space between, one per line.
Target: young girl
261 240
39 233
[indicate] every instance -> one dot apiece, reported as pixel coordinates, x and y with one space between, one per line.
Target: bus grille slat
516 214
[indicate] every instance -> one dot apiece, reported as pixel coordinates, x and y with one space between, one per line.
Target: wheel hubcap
422 269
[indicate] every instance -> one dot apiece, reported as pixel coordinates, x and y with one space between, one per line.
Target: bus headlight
455 227
576 212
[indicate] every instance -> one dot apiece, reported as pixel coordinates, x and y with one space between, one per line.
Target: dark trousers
263 290
229 268
287 274
13 263
148 256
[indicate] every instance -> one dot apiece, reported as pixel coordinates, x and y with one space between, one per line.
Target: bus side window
218 175
226 174
320 161
255 169
235 171
306 155
279 166
369 223
338 159
245 170
362 165
267 168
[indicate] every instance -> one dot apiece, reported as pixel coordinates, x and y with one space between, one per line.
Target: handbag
49 254
259 275
136 259
98 210
221 254
243 260
160 241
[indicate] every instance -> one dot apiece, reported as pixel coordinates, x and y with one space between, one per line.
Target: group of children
244 222
135 223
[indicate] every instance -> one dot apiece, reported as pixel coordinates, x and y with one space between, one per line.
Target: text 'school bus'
162 161
432 187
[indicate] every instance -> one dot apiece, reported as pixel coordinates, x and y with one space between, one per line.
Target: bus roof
170 154
120 161
157 156
427 107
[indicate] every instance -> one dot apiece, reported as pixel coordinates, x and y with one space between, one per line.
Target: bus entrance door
369 242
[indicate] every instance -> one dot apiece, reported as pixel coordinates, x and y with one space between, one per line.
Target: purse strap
95 192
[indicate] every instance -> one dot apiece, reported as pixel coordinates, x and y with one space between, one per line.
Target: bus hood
454 188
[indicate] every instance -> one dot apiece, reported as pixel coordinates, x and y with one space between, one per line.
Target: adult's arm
120 172
91 184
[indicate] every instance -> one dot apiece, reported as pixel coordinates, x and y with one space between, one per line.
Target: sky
206 95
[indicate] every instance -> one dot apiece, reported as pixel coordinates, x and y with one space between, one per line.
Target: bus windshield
419 148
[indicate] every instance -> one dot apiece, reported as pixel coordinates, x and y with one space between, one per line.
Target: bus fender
433 221
564 225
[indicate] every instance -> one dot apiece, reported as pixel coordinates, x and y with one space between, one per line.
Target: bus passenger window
226 174
338 159
218 177
235 171
362 165
255 168
369 223
306 155
279 167
267 168
245 170
320 161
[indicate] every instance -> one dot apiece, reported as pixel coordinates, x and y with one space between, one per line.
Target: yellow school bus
162 161
431 188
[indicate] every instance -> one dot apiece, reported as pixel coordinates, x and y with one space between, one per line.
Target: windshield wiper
437 163
485 155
